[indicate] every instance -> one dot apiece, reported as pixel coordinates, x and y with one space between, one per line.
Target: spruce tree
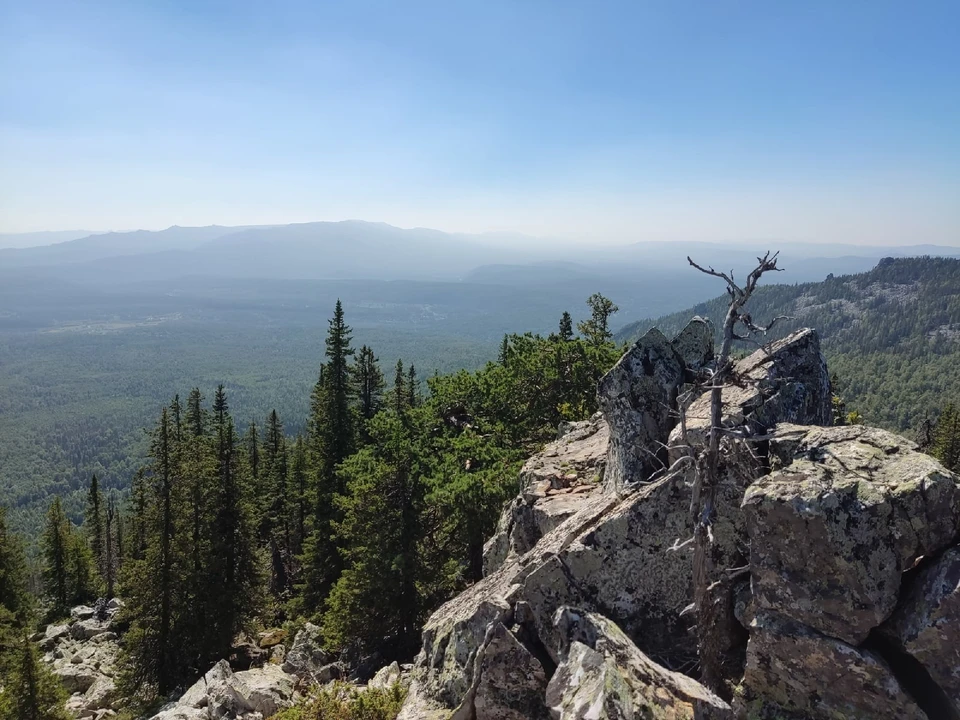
16 604
93 522
56 550
566 327
275 523
946 446
413 388
28 688
298 478
253 450
109 551
369 383
333 438
196 415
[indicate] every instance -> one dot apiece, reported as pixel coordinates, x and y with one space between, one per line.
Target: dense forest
891 335
365 520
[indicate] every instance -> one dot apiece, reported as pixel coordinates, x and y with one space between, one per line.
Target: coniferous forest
364 522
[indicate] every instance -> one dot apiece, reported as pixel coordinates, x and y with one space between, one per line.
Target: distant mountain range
364 250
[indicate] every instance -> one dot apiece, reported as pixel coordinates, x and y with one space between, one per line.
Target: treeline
364 522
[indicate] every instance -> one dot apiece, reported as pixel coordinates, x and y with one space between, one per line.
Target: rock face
926 625
556 483
637 398
832 532
307 659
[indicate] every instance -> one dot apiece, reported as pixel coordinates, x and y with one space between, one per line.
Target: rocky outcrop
787 382
556 483
832 533
308 660
638 398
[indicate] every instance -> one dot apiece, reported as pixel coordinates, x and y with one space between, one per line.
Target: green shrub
342 701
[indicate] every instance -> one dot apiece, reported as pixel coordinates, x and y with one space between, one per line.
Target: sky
617 121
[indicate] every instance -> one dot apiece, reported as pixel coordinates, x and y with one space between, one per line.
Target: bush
342 701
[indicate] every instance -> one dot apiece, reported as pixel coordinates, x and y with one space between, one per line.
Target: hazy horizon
612 122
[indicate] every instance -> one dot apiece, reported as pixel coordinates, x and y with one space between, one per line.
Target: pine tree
93 524
400 396
275 523
56 549
298 476
566 327
413 388
596 330
109 551
16 604
81 570
253 450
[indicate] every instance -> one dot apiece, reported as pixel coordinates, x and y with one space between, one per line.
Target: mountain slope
891 335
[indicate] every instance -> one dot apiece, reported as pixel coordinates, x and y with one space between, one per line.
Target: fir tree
275 525
253 450
109 560
298 476
196 415
413 388
16 604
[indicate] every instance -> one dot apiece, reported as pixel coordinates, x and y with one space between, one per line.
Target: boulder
306 657
385 677
795 672
52 634
76 678
785 383
603 676
86 629
511 682
197 695
832 532
926 625
555 483
270 689
101 695
173 711
81 612
638 400
271 638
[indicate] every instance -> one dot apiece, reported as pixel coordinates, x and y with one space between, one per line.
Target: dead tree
710 582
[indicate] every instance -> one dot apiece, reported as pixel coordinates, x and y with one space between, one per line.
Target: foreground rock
556 483
833 531
603 676
794 671
926 625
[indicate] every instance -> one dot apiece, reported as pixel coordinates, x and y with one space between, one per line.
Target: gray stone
76 678
556 482
385 677
638 399
270 689
833 531
603 676
926 624
794 671
694 344
511 682
306 657
81 612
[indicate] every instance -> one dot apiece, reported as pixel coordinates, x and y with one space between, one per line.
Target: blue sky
711 120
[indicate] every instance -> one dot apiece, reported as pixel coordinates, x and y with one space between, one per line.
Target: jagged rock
270 689
694 344
832 532
385 677
197 695
173 711
793 671
927 622
556 483
638 397
307 658
786 383
115 604
603 676
510 682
